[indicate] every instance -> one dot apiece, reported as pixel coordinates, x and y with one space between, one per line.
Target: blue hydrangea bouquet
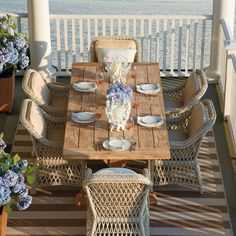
13 47
14 173
118 105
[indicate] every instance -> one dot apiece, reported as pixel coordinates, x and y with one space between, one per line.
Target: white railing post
222 9
39 34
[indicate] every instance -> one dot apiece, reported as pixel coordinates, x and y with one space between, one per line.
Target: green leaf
1 135
16 158
30 179
8 207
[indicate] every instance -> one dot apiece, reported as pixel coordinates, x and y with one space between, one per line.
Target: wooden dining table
84 141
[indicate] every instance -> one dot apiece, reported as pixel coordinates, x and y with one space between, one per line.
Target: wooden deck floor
178 211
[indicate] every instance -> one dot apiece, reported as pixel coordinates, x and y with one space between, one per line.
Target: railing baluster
88 34
58 39
195 44
126 26
96 27
187 47
157 40
81 39
73 40
172 57
66 44
111 26
119 26
103 26
203 42
149 39
180 45
164 45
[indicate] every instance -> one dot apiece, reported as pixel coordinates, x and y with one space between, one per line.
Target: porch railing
227 82
180 43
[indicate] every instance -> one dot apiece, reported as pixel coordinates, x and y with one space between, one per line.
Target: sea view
131 7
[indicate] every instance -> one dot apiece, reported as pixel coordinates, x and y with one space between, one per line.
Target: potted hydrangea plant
118 105
14 173
13 55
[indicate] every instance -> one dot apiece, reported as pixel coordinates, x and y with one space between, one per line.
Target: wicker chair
47 133
118 202
181 99
51 96
115 42
185 135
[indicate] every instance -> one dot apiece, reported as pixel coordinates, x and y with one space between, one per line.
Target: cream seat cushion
192 87
35 118
39 86
117 171
198 119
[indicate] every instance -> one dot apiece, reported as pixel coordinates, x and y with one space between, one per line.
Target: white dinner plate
83 117
148 88
150 121
84 86
116 144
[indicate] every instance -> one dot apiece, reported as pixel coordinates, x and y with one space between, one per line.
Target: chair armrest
56 122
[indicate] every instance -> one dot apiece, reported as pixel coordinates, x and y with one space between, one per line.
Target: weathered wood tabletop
83 141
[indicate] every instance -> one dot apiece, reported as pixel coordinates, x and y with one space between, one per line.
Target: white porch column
222 9
39 34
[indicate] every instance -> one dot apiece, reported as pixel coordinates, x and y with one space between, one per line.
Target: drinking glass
133 72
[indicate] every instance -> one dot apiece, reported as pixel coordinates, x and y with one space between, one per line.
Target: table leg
81 199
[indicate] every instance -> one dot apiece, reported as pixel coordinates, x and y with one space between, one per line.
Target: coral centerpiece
118 105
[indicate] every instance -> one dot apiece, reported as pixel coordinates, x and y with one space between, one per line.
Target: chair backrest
115 194
35 87
115 42
195 87
31 116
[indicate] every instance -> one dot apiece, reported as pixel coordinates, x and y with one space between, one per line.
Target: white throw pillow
115 54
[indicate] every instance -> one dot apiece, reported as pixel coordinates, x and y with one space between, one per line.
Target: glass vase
118 114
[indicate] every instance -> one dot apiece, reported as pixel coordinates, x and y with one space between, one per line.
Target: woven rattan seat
115 42
52 97
181 99
47 133
183 166
118 202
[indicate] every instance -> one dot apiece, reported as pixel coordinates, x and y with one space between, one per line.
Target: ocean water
117 7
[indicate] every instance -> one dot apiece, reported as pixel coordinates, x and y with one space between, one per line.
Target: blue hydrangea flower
4 194
24 202
21 179
18 187
23 192
24 163
16 168
19 42
11 178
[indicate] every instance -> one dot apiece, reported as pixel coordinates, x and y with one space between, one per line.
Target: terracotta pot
7 86
3 221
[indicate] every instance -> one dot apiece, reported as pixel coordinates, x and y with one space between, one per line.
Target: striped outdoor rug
178 212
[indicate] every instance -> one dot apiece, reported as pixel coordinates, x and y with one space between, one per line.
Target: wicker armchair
185 135
51 96
115 42
118 202
181 99
47 133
